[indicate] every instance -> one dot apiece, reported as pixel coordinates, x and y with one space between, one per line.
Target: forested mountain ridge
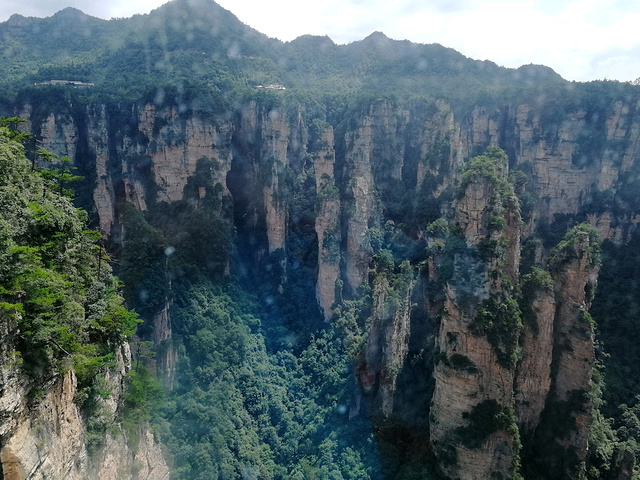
200 44
383 271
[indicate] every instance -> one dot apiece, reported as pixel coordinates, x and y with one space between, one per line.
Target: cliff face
361 190
104 195
568 171
404 164
387 339
389 148
575 271
327 224
175 146
534 371
265 135
479 331
44 435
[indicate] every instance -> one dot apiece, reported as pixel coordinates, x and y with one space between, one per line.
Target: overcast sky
580 39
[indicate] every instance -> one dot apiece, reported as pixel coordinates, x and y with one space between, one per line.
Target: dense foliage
240 411
59 304
251 398
56 284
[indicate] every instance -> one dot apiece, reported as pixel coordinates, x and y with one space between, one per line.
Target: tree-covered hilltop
200 57
189 44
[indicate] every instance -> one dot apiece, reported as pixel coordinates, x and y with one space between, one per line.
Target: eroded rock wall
43 433
475 365
575 275
362 207
327 223
534 371
387 338
386 149
265 137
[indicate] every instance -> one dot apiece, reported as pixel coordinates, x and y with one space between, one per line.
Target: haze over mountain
211 43
580 40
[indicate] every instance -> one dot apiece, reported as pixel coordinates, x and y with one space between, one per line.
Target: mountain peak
377 35
71 13
70 16
535 73
377 39
322 41
16 19
192 6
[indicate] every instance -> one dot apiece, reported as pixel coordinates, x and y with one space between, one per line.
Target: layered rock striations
578 157
389 148
536 339
43 433
362 205
387 337
264 137
472 427
327 222
562 428
175 147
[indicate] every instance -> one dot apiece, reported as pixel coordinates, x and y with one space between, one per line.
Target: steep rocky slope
46 437
379 178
